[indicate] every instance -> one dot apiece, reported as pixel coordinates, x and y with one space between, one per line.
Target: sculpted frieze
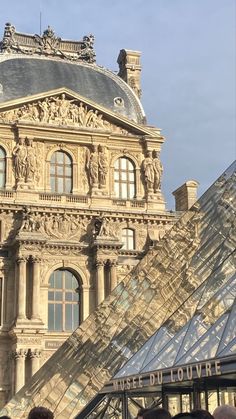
60 226
61 110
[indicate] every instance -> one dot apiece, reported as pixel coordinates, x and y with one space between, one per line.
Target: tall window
63 301
61 172
124 178
2 168
128 239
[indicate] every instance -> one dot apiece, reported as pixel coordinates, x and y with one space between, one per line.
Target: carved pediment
62 107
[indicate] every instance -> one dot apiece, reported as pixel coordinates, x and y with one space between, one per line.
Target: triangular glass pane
135 363
163 336
229 332
219 303
230 348
166 357
206 347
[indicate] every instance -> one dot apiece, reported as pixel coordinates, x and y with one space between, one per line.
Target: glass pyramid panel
230 331
201 241
230 348
207 346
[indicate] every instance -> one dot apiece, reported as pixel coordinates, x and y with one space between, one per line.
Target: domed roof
21 76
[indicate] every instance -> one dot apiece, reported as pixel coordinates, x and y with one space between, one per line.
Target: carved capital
35 259
21 259
19 354
35 353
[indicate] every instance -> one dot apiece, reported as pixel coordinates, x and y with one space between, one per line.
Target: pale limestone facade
42 231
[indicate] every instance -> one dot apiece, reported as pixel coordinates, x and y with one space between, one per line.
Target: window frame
124 179
125 239
56 177
63 302
3 161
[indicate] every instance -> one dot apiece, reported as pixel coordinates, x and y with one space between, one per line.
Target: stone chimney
185 195
130 69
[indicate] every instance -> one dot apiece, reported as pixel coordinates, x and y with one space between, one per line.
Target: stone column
36 288
21 314
113 275
20 356
35 356
100 285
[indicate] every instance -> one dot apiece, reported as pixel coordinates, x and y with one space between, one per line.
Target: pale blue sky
189 69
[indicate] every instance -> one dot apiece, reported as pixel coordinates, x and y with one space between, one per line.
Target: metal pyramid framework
179 288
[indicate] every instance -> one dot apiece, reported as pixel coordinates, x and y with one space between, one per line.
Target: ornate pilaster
100 285
36 287
21 312
35 356
19 356
113 274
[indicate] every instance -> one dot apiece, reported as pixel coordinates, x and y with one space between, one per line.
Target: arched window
61 172
128 239
63 301
124 178
2 168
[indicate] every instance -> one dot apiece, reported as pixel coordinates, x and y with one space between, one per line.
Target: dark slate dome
22 76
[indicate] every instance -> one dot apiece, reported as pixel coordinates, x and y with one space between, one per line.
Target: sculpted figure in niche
102 165
92 167
148 172
158 170
20 156
31 162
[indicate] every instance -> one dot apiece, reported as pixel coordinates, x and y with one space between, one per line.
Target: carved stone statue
20 156
102 166
158 170
93 167
148 172
25 161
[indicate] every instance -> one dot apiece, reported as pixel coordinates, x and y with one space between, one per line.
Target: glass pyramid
185 285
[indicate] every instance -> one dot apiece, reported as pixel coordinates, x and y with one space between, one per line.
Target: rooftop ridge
47 44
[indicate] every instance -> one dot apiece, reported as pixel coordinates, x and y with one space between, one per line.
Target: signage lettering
171 375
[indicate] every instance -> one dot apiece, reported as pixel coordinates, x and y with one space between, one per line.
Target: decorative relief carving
61 226
96 164
26 162
61 110
152 172
47 44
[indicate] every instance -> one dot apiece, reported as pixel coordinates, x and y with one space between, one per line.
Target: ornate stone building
80 191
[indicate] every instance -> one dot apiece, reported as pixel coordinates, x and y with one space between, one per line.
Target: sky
188 69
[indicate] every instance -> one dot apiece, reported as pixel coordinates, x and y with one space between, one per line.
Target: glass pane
131 190
116 189
53 184
124 190
53 158
68 280
68 185
67 159
68 319
130 243
58 296
51 295
131 176
116 175
68 171
75 316
58 316
74 282
2 180
2 153
58 279
60 170
123 163
75 296
130 166
69 296
51 316
60 185
60 157
52 169
123 175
